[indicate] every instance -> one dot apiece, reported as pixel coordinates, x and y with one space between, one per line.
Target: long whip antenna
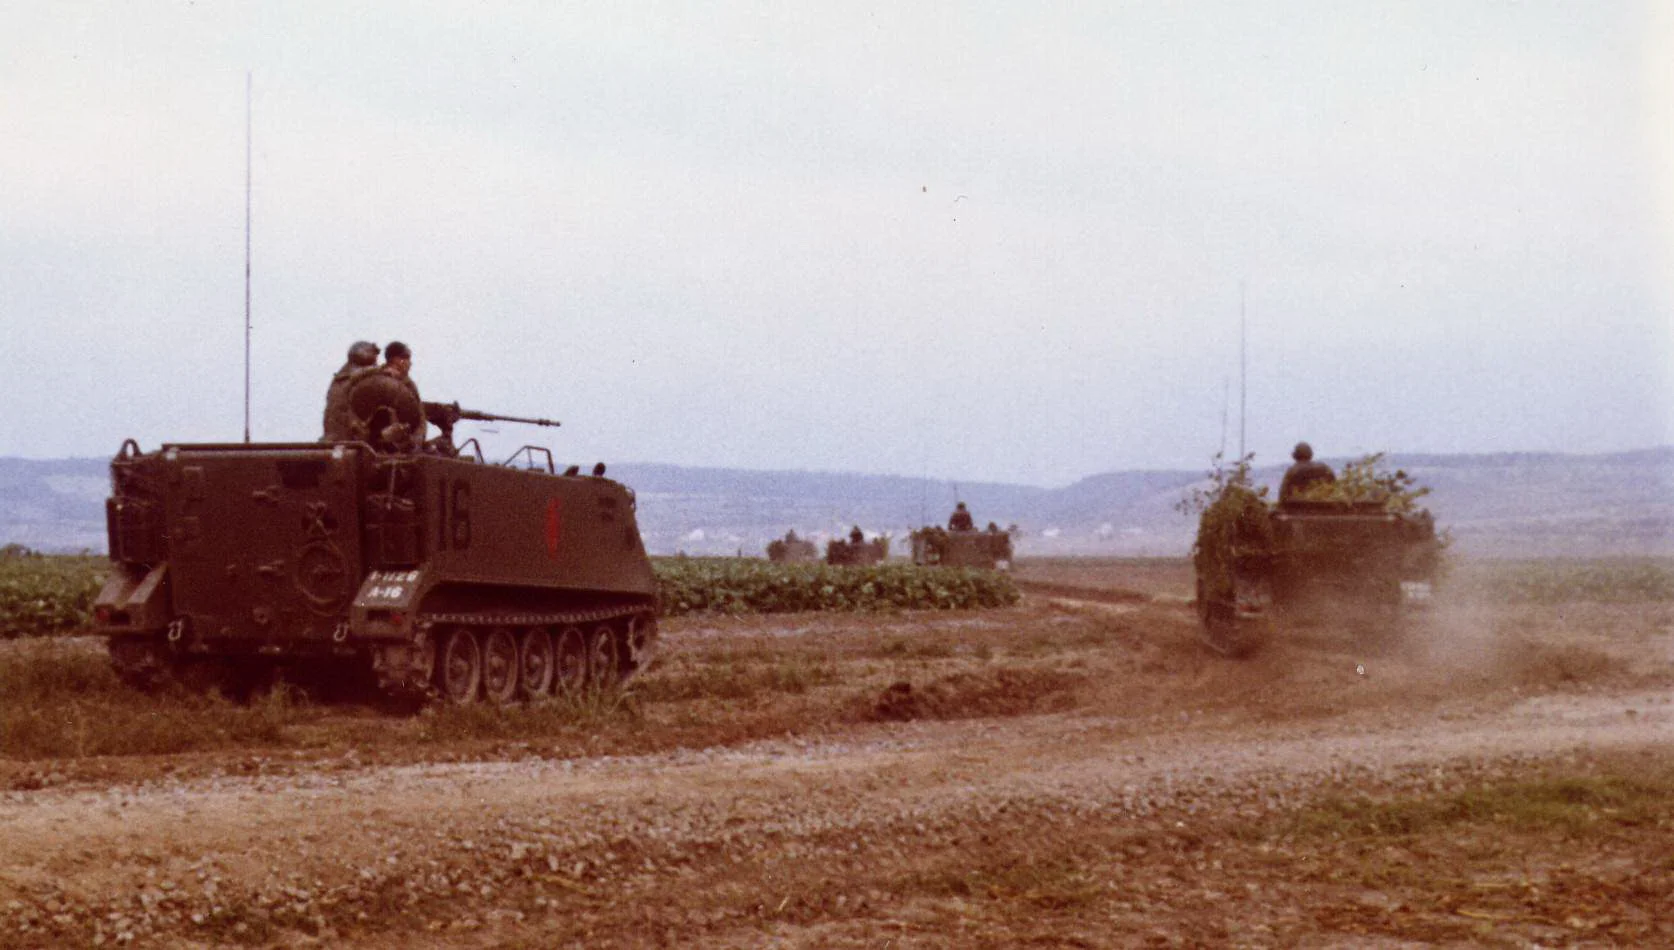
1226 399
1243 368
247 139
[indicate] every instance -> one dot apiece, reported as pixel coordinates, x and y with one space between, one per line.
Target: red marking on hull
554 526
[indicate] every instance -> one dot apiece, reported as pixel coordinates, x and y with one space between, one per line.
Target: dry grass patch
61 701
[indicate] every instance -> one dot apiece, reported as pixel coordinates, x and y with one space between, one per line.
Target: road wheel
459 672
570 662
500 663
536 659
603 667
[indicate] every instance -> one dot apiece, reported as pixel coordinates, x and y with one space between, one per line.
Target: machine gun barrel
447 413
476 416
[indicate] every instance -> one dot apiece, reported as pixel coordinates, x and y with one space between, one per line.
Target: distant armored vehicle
791 549
1357 562
431 572
990 550
858 552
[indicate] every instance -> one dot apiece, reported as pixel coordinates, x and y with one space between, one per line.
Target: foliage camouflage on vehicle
1360 545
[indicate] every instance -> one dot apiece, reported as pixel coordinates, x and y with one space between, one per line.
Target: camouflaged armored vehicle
1355 563
989 550
791 549
427 570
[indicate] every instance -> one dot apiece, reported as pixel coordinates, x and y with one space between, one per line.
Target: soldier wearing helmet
1303 473
960 520
363 358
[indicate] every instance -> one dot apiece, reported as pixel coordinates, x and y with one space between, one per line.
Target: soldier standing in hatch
857 537
398 365
398 362
363 357
960 520
1304 474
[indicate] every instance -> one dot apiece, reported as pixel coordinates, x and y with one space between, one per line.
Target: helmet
363 353
959 507
397 351
1303 452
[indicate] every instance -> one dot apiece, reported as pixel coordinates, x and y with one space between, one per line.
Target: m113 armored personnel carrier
791 549
427 569
856 551
1356 563
989 550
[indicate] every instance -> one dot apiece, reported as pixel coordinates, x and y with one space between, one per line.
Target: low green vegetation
43 595
741 585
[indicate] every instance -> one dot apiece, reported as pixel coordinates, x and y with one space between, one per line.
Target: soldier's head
398 357
959 507
363 353
1303 452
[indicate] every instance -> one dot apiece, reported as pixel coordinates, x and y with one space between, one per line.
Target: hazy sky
993 241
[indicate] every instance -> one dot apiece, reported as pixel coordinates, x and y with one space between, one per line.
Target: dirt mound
1006 691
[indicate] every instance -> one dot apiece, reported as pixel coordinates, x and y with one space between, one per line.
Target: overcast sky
973 241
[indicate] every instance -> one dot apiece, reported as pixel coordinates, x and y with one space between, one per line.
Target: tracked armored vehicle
427 572
840 551
988 550
791 549
1356 563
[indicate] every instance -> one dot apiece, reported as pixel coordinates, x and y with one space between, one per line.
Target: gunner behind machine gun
381 407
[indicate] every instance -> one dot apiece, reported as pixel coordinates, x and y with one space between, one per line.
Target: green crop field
46 595
741 585
1565 580
40 595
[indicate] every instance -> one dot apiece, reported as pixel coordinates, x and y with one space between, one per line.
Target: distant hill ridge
1499 504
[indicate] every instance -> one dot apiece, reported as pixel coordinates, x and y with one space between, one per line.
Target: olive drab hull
433 574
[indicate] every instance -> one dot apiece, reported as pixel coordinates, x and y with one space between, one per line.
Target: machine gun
444 415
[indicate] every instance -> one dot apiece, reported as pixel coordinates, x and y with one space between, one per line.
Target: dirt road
1120 817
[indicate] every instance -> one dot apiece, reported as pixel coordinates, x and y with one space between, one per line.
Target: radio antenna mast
247 138
1226 399
1243 368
